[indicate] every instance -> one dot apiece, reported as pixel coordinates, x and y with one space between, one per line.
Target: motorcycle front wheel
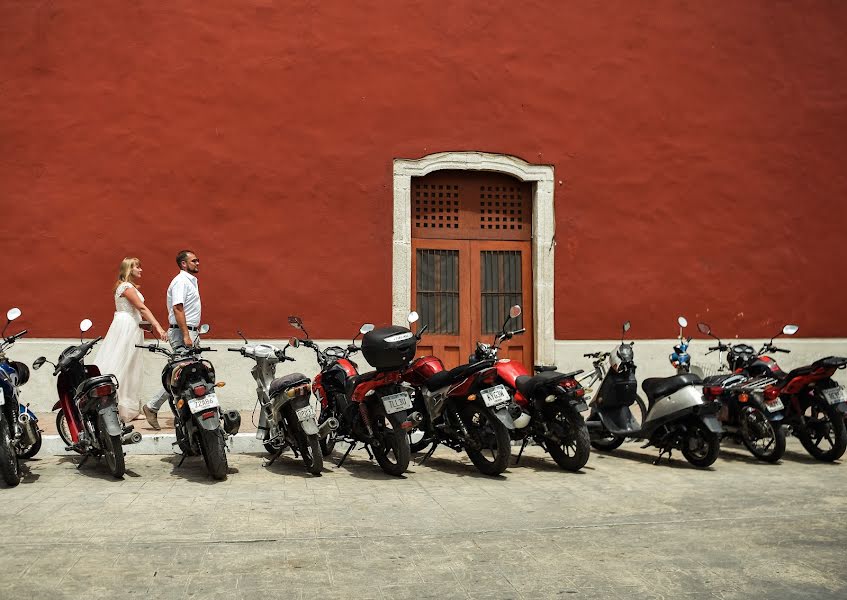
491 446
213 447
393 453
112 449
8 456
614 441
30 451
700 446
823 433
328 443
573 447
764 439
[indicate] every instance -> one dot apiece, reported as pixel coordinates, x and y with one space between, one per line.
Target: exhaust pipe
232 422
133 437
413 421
327 427
27 429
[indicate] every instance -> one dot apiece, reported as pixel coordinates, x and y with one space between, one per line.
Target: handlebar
234 350
12 338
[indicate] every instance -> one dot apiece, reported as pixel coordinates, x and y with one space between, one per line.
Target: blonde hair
125 271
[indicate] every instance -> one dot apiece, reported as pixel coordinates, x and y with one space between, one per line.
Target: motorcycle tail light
771 393
713 390
106 389
199 390
209 414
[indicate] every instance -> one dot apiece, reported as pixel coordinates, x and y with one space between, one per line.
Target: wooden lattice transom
501 207
436 206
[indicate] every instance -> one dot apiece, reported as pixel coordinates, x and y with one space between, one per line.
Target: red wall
700 148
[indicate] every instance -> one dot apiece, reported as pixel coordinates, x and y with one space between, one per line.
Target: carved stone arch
543 231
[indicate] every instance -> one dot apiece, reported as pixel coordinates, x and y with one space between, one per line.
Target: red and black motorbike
814 403
463 409
550 402
88 407
371 408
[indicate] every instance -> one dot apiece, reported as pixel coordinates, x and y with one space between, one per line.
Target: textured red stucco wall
699 146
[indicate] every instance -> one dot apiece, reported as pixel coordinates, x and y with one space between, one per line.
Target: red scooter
371 408
88 407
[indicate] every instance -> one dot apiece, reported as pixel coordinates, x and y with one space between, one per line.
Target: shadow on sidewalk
194 469
94 467
286 464
677 462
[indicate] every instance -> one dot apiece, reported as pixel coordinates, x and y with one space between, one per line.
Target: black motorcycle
201 427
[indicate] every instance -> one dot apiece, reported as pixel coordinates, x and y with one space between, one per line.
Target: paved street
621 529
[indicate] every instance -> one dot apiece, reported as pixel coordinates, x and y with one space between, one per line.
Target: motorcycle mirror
146 326
413 316
13 314
683 322
294 342
38 362
242 336
85 325
790 329
295 322
704 329
515 311
366 328
204 328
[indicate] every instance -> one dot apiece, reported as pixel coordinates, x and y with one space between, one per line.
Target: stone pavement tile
415 590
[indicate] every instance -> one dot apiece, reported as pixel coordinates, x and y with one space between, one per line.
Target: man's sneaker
152 417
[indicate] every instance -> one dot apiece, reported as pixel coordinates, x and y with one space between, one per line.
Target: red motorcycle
371 408
463 409
814 403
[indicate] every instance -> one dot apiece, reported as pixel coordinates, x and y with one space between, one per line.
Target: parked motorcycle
19 433
813 405
549 403
88 407
464 409
201 427
287 417
677 416
371 408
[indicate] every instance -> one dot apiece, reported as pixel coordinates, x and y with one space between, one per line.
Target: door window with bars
501 288
438 290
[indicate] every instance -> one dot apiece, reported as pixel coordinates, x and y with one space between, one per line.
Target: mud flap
110 419
712 424
210 424
503 415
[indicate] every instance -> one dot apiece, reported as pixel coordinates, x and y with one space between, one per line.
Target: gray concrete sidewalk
621 529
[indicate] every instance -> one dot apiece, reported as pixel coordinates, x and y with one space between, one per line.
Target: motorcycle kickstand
428 454
182 460
659 458
368 450
83 461
343 458
525 442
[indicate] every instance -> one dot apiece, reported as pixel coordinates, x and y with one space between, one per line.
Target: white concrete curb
241 443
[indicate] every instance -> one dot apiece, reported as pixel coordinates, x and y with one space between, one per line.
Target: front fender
109 414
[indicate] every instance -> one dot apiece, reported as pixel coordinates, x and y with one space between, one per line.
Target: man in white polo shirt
184 317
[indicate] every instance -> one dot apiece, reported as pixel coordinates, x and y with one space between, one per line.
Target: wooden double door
463 289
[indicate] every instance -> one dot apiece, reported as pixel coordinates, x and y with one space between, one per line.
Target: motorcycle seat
529 385
282 383
658 387
353 382
91 383
830 362
443 378
717 379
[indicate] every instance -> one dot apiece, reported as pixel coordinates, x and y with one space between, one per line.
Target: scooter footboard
619 420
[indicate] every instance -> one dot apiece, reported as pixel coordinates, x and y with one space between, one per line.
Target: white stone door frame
543 232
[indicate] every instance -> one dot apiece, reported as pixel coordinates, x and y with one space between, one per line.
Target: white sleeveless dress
119 356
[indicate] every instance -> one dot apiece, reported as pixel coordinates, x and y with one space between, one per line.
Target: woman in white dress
117 354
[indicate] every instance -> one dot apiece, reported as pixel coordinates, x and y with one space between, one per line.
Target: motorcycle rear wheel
394 441
753 423
573 453
824 425
308 445
213 448
700 446
488 431
9 467
112 449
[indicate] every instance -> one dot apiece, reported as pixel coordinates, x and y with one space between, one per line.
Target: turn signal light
743 397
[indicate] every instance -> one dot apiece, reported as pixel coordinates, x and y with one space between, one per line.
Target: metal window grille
438 290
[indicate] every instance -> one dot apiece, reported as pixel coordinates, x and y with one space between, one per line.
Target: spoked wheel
8 456
213 447
393 452
489 447
112 450
700 446
607 444
823 434
764 439
308 445
572 447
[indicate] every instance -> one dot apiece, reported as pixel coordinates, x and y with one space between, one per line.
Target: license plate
197 405
774 405
494 396
397 402
834 395
305 413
